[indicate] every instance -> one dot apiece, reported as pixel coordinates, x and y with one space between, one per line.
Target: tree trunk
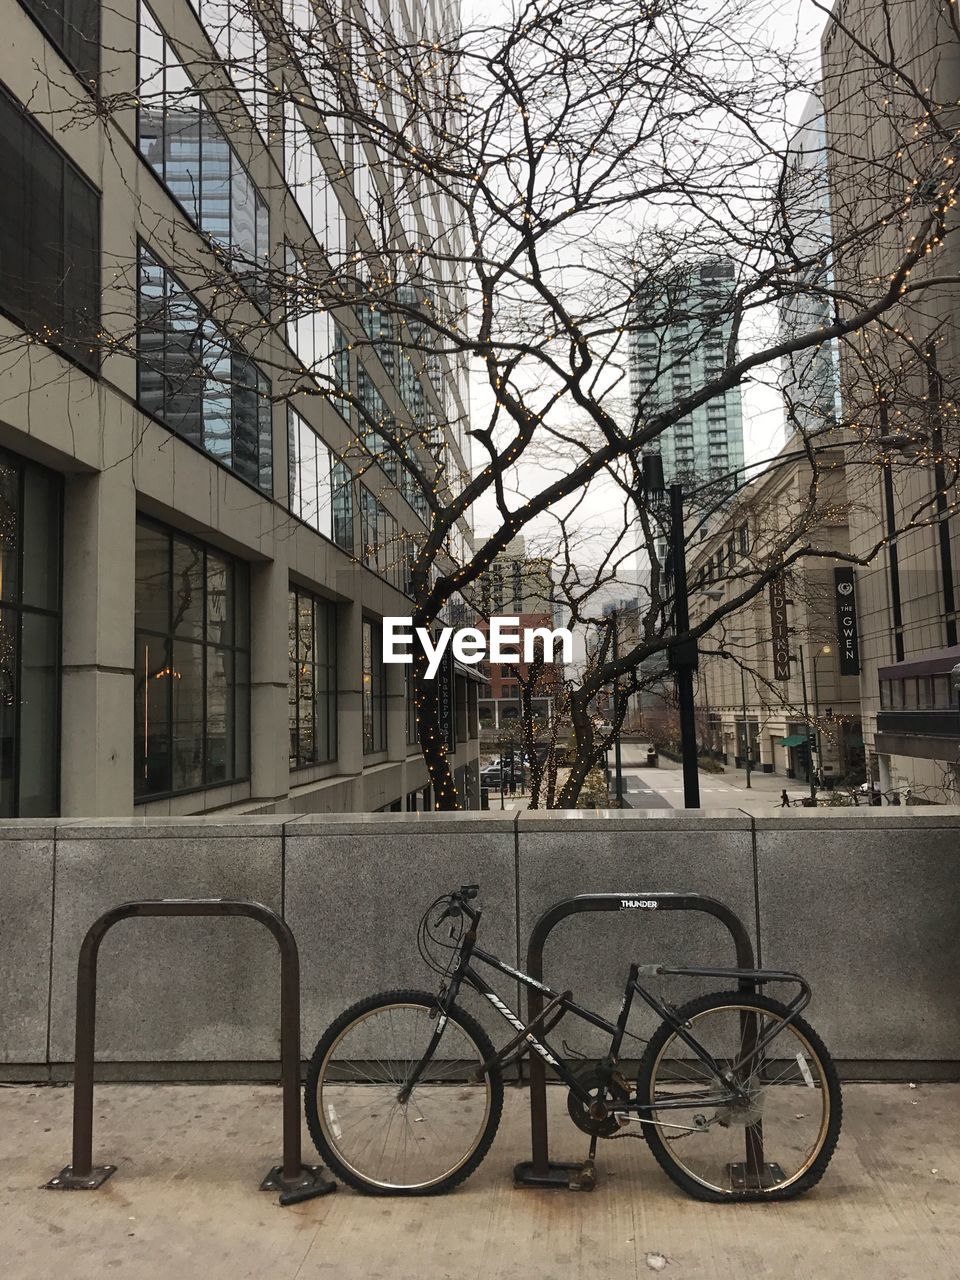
430 734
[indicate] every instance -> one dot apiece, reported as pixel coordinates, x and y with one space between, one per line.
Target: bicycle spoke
766 1137
402 1144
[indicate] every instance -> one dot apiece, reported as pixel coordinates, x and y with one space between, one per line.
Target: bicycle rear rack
540 1170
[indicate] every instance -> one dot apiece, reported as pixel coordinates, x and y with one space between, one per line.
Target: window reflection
320 488
312 691
182 141
195 381
374 690
192 685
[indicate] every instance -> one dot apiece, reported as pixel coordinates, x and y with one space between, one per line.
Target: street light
618 728
747 750
746 725
824 650
806 720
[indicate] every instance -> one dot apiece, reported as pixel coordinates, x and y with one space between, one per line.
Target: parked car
491 776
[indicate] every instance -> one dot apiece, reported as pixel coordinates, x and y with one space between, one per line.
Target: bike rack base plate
743 1180
311 1181
67 1180
560 1175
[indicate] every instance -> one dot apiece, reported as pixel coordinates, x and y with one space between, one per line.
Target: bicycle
404 1091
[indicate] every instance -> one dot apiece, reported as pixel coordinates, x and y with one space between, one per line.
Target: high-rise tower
684 348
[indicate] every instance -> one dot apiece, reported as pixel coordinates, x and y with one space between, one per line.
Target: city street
662 787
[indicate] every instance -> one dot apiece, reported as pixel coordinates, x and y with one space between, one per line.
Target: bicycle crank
598 1118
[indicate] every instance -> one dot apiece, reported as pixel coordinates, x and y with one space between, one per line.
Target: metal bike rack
293 1179
540 1170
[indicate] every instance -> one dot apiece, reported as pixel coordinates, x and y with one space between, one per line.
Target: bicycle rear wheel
775 1144
373 1140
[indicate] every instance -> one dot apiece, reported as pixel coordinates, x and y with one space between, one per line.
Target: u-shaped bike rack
540 1170
293 1179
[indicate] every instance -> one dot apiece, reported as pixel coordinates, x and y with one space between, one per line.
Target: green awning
795 740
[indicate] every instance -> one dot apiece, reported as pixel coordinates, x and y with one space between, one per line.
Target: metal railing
540 1170
293 1179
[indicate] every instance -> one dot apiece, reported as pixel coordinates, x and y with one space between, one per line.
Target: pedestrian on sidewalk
784 799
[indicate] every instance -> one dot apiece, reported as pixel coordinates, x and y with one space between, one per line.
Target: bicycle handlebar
458 903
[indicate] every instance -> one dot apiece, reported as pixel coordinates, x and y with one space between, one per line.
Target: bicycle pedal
585 1179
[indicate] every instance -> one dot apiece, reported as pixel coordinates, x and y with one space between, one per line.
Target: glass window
239 40
341 371
309 326
313 191
312 688
49 221
319 487
375 415
197 383
192 665
413 492
343 506
944 698
181 140
374 689
74 27
30 514
381 546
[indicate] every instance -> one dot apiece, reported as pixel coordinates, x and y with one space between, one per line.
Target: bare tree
523 194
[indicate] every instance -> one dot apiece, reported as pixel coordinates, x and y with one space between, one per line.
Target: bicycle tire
815 1166
317 1122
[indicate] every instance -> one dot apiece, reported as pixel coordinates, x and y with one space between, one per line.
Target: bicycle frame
528 1040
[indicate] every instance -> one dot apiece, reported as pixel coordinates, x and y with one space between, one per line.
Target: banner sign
780 638
446 694
847 632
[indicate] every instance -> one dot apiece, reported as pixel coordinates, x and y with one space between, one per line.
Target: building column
269 674
99 562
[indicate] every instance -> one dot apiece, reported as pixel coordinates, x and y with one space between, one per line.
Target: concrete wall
863 902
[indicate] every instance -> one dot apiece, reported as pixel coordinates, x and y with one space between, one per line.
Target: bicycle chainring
600 1126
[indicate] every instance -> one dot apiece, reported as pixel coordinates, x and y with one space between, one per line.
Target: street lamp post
746 724
617 752
682 653
806 719
816 706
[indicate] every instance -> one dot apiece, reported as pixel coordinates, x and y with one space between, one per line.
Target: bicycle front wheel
371 1134
777 1140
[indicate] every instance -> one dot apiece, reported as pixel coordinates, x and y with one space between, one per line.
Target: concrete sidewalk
183 1204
